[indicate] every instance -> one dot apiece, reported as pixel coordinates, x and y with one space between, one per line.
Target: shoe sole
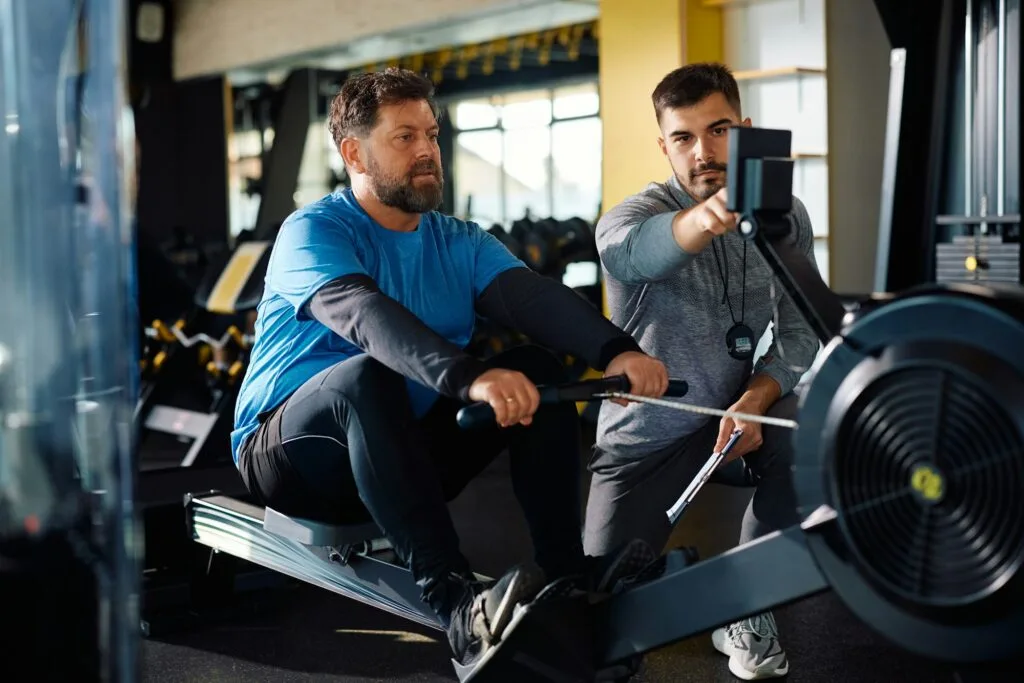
525 585
766 670
634 558
770 668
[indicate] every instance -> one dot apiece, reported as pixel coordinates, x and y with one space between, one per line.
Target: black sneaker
629 560
481 617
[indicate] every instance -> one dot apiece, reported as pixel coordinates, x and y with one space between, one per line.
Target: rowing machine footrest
314 533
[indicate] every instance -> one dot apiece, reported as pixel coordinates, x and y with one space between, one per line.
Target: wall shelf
778 72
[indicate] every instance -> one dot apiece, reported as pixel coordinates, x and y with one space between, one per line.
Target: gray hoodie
673 303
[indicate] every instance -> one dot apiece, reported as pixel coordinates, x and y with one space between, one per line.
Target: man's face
695 140
403 161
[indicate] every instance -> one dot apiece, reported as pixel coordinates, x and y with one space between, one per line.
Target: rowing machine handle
478 415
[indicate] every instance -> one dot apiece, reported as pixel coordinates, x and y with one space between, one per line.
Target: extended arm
636 243
646 238
354 308
553 315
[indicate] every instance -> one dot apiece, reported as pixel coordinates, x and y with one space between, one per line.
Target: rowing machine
355 561
924 542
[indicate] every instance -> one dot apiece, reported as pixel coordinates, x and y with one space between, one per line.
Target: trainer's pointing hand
647 376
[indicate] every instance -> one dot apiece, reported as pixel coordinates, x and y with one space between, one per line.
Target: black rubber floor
307 634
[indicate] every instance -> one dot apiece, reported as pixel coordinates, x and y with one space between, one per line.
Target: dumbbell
510 242
540 246
576 241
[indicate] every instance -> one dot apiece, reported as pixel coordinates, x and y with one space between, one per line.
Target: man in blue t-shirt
347 411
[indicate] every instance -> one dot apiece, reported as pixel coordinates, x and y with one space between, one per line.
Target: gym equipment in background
192 373
192 368
981 259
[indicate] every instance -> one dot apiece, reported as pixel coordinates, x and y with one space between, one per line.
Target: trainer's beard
400 193
699 189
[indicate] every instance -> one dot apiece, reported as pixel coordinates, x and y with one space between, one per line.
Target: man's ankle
446 593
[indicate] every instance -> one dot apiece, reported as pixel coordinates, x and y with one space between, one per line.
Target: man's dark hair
690 84
354 109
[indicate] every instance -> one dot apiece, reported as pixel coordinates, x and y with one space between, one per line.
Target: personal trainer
347 411
680 279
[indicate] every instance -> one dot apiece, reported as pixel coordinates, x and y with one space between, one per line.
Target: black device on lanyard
739 339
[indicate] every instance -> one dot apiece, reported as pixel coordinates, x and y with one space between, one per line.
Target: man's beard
699 188
401 194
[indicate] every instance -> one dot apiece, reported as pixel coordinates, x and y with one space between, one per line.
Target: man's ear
746 122
661 144
350 150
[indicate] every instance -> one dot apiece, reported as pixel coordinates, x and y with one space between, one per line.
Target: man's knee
538 364
786 407
363 378
778 441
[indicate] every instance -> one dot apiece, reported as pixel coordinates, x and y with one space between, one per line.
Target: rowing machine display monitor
760 190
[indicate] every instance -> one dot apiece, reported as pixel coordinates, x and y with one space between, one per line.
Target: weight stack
978 259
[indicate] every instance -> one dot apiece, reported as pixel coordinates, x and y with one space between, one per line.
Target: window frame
548 87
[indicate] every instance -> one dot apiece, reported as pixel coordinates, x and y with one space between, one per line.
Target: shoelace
762 625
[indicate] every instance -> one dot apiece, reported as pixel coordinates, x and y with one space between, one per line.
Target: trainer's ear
351 150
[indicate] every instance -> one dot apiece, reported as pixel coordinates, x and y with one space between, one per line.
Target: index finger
724 215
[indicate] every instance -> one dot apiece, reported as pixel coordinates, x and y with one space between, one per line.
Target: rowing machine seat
310 532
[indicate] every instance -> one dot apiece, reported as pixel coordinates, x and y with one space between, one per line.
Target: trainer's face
696 141
402 159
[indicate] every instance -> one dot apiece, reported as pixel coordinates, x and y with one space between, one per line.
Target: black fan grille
958 535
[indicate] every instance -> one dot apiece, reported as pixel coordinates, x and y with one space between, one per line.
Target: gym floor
302 633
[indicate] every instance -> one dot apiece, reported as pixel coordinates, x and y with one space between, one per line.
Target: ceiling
260 41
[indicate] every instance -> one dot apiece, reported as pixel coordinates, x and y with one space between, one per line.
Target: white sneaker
752 646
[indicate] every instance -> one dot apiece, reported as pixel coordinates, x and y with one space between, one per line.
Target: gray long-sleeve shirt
673 303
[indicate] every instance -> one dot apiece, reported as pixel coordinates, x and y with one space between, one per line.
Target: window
245 167
532 153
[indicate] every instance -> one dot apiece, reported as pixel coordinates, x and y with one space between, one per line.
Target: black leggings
346 448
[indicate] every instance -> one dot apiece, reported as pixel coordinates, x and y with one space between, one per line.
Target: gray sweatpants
628 499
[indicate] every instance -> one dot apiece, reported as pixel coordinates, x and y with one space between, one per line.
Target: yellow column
639 42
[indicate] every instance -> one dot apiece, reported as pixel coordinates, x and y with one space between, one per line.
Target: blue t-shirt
436 271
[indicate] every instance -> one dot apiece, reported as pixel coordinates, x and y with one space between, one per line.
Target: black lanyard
725 281
739 339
